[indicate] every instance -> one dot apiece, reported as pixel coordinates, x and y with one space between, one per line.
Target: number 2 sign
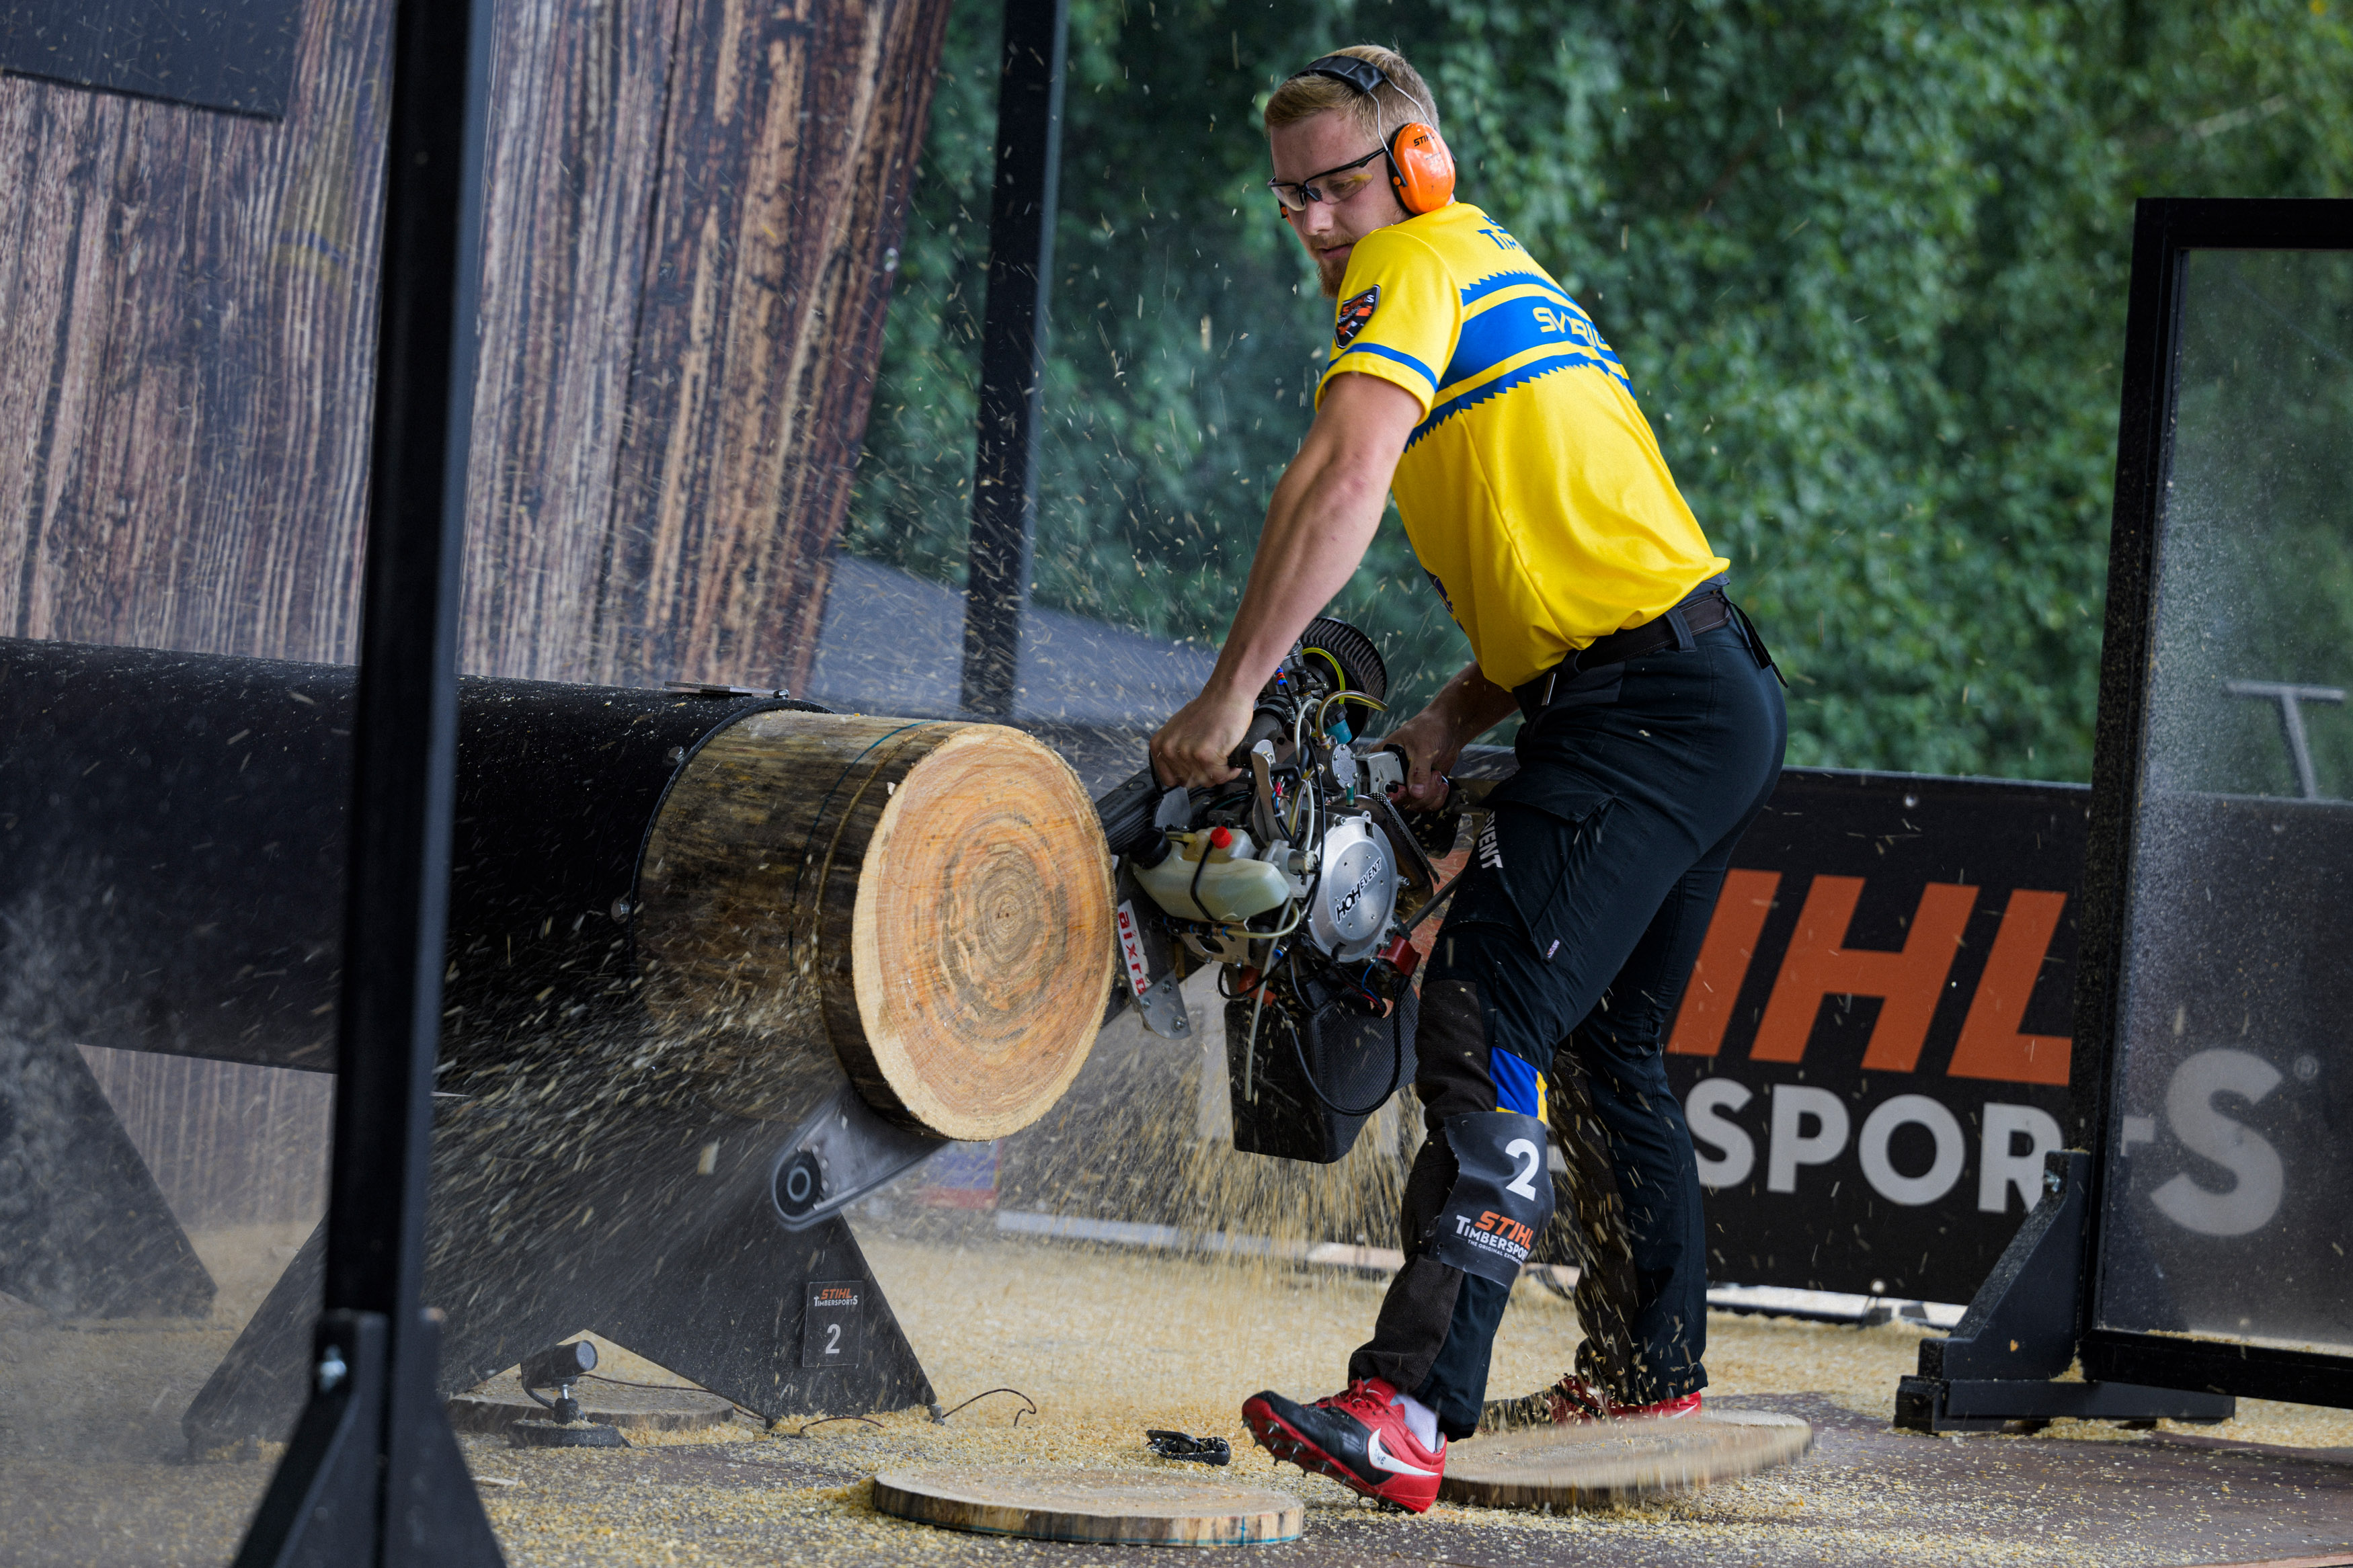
832 1327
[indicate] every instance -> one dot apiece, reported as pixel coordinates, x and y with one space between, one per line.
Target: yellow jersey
1533 490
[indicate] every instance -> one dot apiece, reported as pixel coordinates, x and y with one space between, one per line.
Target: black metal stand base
1990 1404
2020 1334
529 1432
84 1230
697 1273
322 1507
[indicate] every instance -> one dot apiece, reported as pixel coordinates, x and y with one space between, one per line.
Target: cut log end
927 904
982 936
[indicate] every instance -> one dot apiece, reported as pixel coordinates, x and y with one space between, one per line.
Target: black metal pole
373 1475
1012 350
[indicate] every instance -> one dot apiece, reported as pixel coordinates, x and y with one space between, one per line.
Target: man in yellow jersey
1465 381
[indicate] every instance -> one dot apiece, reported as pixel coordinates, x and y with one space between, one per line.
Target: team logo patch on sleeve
1355 311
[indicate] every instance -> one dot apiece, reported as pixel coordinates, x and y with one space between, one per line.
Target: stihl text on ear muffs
1421 171
1420 168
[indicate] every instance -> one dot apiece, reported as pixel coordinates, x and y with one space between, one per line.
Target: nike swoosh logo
1377 1453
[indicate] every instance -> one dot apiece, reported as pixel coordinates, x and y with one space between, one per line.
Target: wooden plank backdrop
794 134
688 237
187 319
230 1144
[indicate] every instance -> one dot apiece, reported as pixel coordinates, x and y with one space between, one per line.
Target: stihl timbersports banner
1873 1051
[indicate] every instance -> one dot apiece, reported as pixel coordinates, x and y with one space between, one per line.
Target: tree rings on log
931 903
1610 1462
1132 1507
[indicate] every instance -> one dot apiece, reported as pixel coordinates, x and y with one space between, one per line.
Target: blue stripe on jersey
1518 1087
1515 326
1503 280
1566 359
1406 360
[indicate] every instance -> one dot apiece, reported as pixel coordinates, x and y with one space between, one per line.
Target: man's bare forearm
1324 515
1472 704
1466 708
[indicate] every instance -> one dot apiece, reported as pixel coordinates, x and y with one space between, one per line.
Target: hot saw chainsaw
1304 880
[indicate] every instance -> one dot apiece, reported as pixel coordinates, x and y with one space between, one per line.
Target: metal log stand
178 834
2021 1333
84 1230
188 869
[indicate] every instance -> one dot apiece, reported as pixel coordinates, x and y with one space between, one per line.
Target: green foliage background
1865 262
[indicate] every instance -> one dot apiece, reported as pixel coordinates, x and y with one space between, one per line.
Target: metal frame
2039 1303
2164 232
372 1473
1022 205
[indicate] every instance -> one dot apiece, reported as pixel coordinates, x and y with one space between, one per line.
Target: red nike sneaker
1360 1439
1573 1399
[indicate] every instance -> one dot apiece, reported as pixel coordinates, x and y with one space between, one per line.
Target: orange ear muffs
1421 171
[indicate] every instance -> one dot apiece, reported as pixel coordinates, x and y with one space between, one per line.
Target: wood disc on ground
928 903
1613 1462
489 1408
1129 1507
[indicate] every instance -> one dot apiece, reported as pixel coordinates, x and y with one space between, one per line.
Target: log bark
932 902
792 134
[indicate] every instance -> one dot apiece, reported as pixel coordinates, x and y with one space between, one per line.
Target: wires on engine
1338 674
1249 1043
1375 703
1397 1066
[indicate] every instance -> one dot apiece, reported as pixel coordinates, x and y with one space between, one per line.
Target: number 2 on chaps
1524 1182
1499 1204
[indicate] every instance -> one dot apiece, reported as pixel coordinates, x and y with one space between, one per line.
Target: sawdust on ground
1105 1343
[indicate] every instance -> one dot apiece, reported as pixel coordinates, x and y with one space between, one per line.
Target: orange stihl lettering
1909 983
1991 1045
1722 966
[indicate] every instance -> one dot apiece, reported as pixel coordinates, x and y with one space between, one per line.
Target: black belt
1703 610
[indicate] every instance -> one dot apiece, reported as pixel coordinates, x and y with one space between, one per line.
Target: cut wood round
1613 1462
492 1407
930 902
1136 1508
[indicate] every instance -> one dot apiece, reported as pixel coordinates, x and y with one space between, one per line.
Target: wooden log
741 902
931 900
187 312
677 188
689 233
1130 1507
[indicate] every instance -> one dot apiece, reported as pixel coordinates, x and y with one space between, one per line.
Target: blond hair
1403 99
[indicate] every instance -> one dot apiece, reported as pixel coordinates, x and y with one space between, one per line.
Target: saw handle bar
1265 726
1126 811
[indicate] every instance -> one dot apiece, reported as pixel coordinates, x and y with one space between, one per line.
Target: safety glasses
1334 185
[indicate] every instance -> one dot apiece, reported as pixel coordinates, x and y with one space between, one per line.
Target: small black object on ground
558 1367
1178 1446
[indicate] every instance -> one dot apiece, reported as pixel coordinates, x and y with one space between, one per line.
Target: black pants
1567 947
